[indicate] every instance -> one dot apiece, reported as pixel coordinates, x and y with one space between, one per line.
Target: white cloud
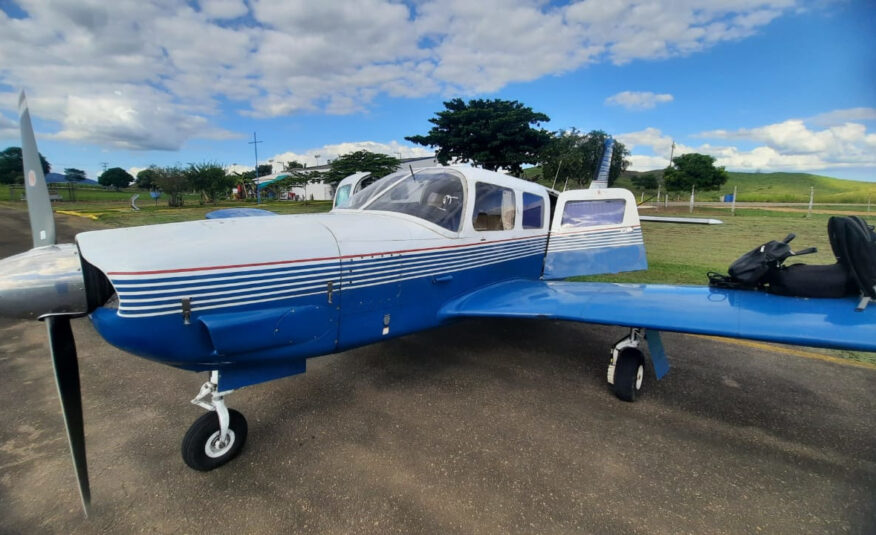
8 128
833 118
638 100
786 146
223 9
177 64
330 152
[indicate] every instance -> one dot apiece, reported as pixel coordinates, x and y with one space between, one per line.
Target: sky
761 85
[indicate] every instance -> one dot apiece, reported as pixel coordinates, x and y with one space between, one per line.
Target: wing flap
832 323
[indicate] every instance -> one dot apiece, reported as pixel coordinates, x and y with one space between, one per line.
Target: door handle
442 278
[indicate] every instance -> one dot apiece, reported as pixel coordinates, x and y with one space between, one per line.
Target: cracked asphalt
483 426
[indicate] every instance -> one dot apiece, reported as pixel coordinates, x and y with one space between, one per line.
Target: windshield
363 197
435 195
342 196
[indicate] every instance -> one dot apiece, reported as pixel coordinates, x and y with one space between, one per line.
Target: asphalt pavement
483 426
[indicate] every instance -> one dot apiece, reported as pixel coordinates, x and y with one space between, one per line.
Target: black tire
627 383
206 428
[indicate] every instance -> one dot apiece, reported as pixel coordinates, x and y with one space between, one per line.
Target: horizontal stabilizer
688 220
755 315
237 212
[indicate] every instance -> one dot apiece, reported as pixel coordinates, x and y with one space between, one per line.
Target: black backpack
758 267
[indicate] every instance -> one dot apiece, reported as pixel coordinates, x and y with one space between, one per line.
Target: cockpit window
363 197
343 196
435 195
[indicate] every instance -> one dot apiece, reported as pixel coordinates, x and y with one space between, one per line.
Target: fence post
733 204
692 192
811 198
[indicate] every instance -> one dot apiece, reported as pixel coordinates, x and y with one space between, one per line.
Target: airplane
250 299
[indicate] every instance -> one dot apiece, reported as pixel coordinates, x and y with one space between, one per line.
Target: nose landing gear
216 437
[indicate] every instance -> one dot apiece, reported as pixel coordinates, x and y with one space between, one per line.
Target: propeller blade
39 207
63 349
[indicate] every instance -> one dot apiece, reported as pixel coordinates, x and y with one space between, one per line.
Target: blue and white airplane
250 299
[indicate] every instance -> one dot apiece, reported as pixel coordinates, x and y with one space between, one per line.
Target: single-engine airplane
250 299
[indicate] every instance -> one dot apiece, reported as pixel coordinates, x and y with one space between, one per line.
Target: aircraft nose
44 280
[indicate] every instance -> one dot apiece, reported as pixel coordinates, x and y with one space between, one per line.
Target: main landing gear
626 371
216 437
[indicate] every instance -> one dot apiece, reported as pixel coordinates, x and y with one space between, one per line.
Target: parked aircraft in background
412 251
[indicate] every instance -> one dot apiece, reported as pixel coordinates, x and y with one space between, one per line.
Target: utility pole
317 159
671 152
255 147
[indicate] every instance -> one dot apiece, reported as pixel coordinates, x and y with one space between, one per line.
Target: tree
291 166
266 169
115 177
694 170
490 133
12 168
173 182
146 178
72 174
645 181
210 179
375 163
573 156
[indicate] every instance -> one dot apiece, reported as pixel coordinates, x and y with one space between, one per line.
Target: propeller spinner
48 283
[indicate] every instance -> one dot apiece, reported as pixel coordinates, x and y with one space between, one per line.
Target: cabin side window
494 208
533 211
593 213
342 196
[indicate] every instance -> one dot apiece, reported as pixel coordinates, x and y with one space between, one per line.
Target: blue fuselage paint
332 305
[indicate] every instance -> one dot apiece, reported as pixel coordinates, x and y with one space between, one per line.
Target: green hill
780 187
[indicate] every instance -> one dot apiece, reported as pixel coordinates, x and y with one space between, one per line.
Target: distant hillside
781 187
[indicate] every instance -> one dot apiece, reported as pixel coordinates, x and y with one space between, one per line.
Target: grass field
782 187
763 187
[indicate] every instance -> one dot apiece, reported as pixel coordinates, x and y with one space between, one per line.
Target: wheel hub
217 448
640 375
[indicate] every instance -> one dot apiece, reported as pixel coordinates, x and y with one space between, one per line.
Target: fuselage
272 291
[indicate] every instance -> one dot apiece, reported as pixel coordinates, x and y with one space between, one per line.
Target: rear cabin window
593 213
533 211
494 208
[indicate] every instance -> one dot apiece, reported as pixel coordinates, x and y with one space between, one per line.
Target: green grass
779 187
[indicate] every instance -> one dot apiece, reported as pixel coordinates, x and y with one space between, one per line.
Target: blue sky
770 85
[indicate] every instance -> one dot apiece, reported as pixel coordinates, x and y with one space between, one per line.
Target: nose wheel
216 437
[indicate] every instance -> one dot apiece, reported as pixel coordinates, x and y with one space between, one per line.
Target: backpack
758 267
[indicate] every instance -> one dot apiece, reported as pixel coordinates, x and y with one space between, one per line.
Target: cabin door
594 231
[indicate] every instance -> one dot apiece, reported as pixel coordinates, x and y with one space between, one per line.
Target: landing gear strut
216 437
626 371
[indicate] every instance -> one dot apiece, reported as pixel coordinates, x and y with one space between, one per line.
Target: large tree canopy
375 163
115 177
73 174
694 170
574 157
146 178
210 179
11 167
173 182
491 133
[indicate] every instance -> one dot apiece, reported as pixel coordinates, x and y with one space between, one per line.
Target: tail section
601 180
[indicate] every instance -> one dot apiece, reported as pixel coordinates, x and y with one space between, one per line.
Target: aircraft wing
832 323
